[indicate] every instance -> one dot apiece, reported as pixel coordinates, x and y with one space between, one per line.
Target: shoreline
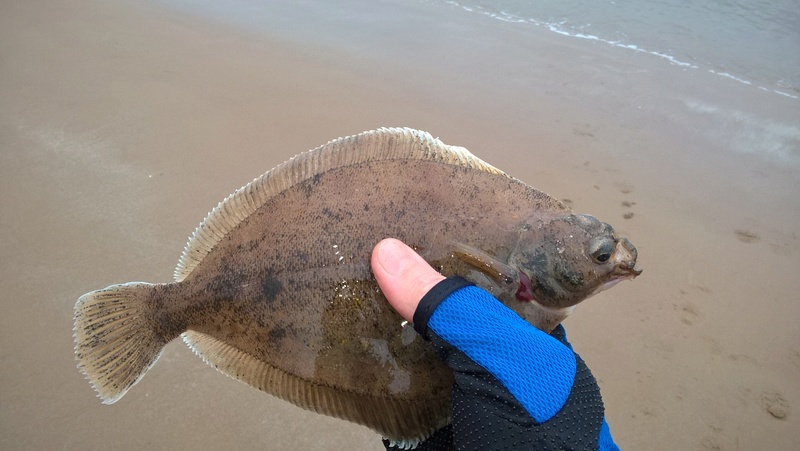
124 123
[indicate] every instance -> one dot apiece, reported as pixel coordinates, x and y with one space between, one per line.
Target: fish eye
601 249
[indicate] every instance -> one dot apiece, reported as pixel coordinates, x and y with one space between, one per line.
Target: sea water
753 42
725 72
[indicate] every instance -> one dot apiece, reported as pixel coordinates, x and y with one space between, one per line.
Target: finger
404 277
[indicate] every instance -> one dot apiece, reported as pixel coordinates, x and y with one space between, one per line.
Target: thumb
404 277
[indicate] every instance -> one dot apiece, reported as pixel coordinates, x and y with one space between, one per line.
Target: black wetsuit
516 387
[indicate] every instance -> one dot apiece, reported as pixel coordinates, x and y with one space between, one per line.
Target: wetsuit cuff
433 298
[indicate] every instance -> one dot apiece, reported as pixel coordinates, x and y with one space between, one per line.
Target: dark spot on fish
271 288
166 326
540 263
332 215
545 289
248 246
277 333
537 260
366 207
227 284
571 277
306 188
301 257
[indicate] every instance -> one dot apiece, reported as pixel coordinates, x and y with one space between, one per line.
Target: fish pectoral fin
495 269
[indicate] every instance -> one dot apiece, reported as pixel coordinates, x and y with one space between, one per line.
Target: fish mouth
618 276
627 271
635 272
625 260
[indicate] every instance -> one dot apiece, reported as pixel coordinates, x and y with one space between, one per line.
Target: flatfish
274 287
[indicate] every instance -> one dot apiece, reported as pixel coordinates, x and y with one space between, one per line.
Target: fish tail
115 340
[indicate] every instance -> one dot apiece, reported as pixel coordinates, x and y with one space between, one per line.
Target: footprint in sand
702 288
710 444
780 249
775 405
743 358
714 347
688 313
624 188
628 204
746 236
583 130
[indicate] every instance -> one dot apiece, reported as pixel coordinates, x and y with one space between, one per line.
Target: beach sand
123 123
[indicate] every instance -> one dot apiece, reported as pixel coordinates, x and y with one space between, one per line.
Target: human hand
404 277
486 373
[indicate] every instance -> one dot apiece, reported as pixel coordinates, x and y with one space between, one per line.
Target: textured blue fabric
605 440
536 368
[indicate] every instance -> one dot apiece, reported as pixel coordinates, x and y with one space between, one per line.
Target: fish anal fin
408 421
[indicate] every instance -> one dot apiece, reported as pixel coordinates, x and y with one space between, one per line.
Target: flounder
274 287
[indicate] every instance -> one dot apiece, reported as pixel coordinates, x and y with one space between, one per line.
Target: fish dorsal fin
392 417
375 145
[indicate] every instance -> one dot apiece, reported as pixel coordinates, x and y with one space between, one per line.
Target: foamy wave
562 29
749 134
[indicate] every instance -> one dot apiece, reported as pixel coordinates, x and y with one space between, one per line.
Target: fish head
565 260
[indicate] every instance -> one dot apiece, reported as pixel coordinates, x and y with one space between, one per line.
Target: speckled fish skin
275 287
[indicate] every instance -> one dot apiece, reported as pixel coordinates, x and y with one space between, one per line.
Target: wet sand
122 124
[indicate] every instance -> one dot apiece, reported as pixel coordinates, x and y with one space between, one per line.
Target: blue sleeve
514 385
537 369
605 441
